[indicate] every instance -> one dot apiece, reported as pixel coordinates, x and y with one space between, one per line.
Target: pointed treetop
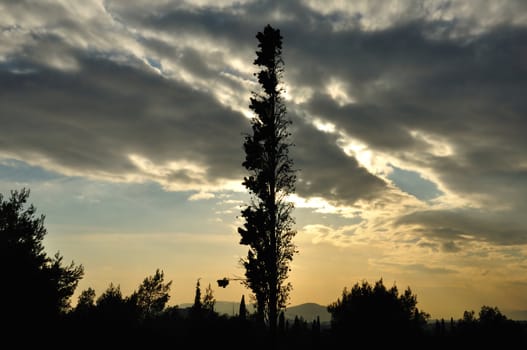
270 46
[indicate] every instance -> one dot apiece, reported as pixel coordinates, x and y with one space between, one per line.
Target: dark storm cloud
418 74
229 23
326 171
466 225
467 92
86 100
365 122
89 120
400 77
88 110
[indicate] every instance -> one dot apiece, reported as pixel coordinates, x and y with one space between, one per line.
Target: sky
126 119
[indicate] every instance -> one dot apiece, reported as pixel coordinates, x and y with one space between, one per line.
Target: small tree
86 300
197 298
152 295
242 313
208 299
491 316
85 312
268 223
114 310
111 298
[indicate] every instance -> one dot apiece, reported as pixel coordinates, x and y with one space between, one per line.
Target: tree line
38 288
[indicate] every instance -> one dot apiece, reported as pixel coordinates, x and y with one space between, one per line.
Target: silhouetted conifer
243 309
268 223
196 307
281 323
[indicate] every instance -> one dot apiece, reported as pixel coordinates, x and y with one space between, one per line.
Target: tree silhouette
491 315
196 307
111 299
115 313
208 299
152 295
83 316
36 288
86 300
268 223
366 308
242 313
281 323
490 326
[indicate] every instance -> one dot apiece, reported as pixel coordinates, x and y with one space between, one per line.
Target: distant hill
519 315
307 311
230 308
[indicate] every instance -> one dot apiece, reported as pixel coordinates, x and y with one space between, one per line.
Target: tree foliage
197 298
37 287
268 222
152 294
208 299
367 308
113 309
242 311
111 298
489 325
86 298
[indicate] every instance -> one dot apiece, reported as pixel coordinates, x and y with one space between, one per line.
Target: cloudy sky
125 119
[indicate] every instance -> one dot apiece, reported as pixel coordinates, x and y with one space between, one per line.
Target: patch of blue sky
413 183
136 207
154 63
19 171
84 205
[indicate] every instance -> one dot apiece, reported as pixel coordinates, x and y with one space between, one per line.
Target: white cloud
201 195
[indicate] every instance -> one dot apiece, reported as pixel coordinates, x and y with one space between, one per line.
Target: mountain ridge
307 311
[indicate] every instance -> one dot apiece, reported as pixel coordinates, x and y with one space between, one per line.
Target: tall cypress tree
268 228
242 313
197 298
